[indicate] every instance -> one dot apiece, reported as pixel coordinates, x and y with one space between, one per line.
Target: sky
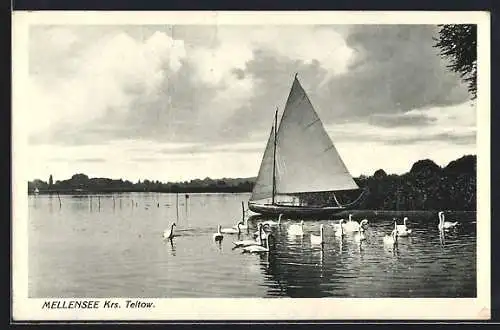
181 102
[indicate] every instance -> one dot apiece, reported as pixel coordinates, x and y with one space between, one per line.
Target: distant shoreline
427 186
118 191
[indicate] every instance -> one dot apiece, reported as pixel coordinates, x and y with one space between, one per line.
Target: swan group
258 241
262 231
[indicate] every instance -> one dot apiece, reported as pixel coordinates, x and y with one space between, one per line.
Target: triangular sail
306 159
263 187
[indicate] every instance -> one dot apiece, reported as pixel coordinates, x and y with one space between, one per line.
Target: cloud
453 124
396 69
237 148
406 119
210 85
106 77
467 138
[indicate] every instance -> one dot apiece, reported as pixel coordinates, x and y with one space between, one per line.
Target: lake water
117 250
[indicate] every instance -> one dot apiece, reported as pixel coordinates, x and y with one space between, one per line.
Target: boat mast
274 154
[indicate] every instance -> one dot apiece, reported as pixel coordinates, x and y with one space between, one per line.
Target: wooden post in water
99 199
90 202
60 204
114 202
243 210
120 202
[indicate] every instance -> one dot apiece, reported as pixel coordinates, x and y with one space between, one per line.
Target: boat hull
295 211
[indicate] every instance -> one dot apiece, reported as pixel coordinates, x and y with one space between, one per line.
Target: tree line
426 186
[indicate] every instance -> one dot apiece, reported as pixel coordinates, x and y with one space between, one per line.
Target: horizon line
246 177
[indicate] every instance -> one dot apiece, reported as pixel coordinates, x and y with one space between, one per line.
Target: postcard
250 166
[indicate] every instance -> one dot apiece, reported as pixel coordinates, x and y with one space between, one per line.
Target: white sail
306 159
263 187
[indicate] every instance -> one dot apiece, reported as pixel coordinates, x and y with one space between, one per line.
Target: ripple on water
121 252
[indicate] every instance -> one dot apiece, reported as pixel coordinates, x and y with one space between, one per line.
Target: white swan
296 229
218 235
169 233
340 232
236 230
402 229
273 223
445 224
392 239
318 239
363 224
257 248
360 235
242 223
261 231
336 226
249 242
351 225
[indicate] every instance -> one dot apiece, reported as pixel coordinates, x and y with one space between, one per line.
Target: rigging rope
349 204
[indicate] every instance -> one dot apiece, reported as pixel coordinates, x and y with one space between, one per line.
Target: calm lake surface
81 250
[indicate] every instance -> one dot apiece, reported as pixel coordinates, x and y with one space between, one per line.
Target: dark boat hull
295 211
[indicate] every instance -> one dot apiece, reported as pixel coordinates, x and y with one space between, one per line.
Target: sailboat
300 158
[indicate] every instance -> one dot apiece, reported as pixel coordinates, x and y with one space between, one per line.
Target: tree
458 44
50 181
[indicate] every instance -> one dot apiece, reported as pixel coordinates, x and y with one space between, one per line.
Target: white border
251 309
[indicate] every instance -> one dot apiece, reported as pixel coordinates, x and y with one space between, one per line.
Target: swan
236 230
403 231
296 229
315 239
340 232
261 231
249 242
351 225
243 224
360 235
445 224
257 248
363 224
169 233
218 235
273 223
336 226
392 239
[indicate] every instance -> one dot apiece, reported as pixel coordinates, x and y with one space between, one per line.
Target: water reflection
108 253
331 269
171 243
442 238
